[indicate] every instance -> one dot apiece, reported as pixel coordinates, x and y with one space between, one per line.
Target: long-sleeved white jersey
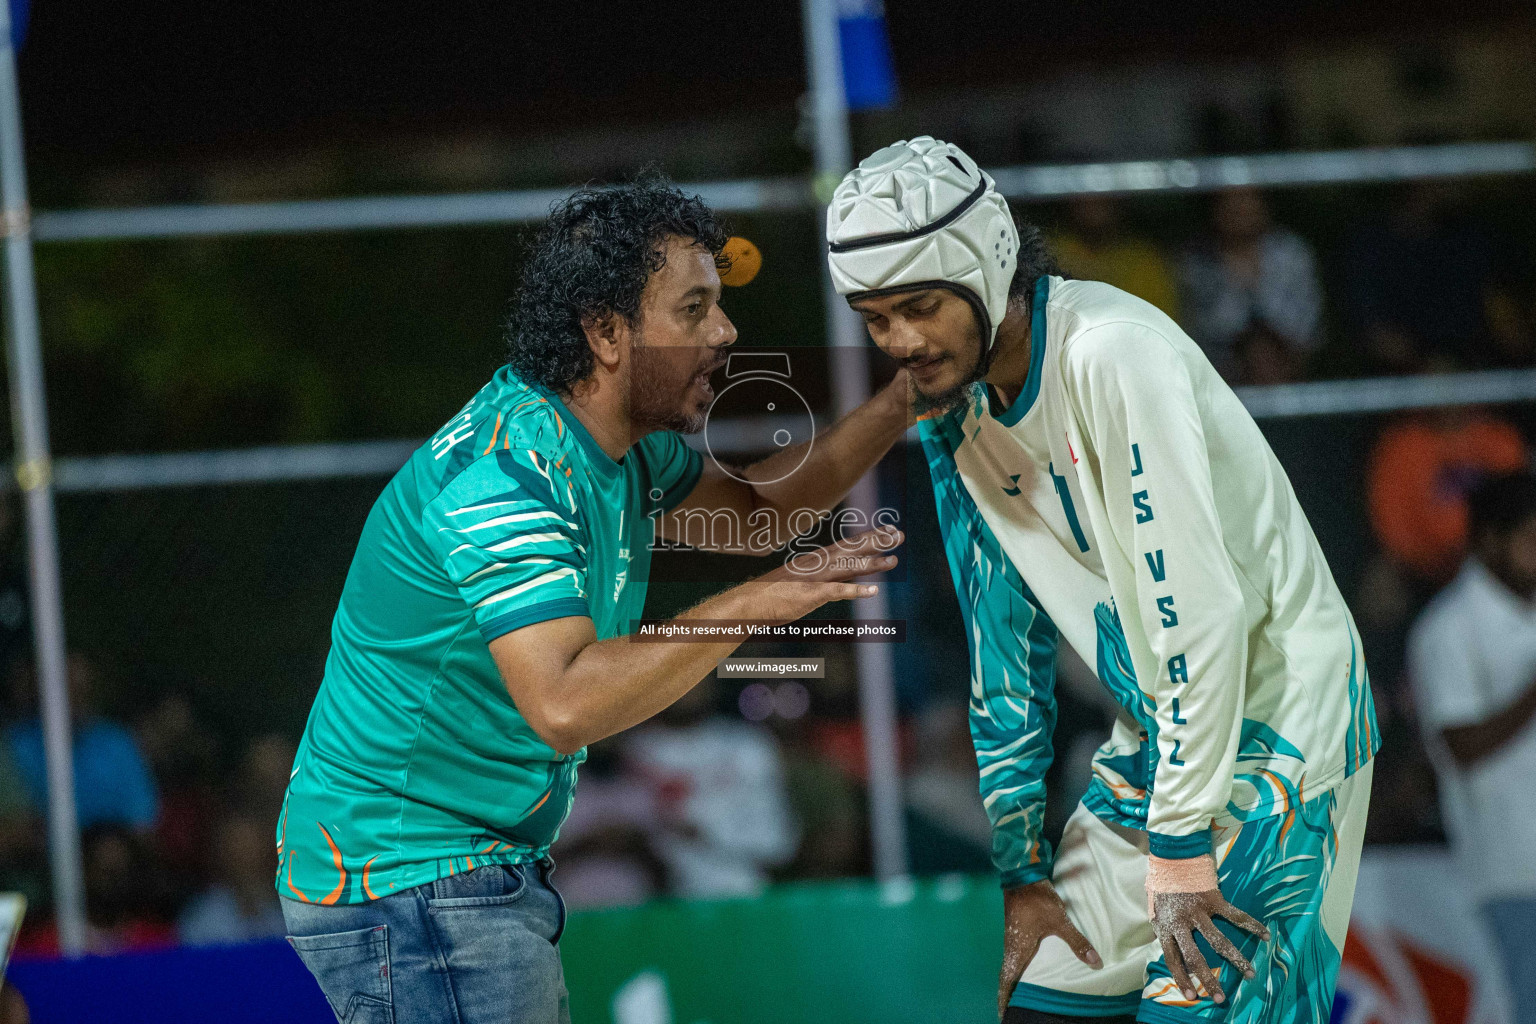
1127 502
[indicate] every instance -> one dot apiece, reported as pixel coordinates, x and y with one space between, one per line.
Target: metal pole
29 413
850 388
785 194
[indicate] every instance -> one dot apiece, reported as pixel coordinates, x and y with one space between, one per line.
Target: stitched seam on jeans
442 958
471 902
475 902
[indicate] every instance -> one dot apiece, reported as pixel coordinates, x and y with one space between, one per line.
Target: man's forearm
1471 743
574 689
838 458
614 684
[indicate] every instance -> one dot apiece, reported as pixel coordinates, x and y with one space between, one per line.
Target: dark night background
232 342
103 82
224 595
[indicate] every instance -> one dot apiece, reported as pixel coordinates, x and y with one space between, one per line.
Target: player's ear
608 336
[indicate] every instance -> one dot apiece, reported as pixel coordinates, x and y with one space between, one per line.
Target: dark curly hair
1034 261
592 260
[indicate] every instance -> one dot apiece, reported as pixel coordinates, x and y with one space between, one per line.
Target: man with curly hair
480 644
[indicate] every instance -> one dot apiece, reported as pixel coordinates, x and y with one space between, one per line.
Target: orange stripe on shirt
494 431
1280 785
367 891
295 888
1365 751
1170 987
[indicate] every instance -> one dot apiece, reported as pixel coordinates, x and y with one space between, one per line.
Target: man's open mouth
701 379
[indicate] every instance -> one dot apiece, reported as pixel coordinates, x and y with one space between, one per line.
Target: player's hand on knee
1030 913
1177 916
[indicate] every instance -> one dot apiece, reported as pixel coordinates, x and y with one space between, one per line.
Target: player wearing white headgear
1097 481
921 216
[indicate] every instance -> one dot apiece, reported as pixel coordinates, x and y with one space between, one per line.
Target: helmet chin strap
984 361
984 328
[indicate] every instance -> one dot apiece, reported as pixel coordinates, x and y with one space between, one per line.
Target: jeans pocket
353 971
490 886
548 864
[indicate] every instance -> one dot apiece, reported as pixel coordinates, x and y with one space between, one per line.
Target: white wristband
1194 874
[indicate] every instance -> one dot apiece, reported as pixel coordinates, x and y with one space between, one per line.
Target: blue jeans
1513 923
467 949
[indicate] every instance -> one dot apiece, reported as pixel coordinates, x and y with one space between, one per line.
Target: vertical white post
29 414
850 387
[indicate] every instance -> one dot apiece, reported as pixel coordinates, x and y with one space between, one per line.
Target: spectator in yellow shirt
1097 247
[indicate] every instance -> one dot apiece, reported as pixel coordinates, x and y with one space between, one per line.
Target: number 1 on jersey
1065 494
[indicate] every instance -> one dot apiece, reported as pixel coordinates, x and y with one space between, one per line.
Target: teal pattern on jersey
1121 786
1364 738
1116 670
1257 794
1120 790
1278 869
1012 645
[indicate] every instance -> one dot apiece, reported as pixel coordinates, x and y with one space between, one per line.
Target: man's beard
956 393
658 400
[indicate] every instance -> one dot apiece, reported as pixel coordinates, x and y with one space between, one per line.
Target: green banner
810 953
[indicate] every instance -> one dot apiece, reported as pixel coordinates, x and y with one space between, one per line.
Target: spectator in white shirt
1473 659
1250 292
718 786
240 905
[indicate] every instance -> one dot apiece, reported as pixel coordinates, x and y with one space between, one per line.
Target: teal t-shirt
415 763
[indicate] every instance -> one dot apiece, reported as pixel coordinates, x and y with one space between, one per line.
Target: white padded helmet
922 214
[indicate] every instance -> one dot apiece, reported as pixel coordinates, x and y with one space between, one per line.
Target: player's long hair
1034 260
591 260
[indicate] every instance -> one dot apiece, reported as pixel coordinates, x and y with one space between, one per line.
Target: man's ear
608 337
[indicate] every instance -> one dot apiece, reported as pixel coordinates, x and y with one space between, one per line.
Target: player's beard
960 391
663 388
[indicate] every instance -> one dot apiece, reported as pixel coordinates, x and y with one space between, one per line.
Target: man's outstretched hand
1176 916
1030 913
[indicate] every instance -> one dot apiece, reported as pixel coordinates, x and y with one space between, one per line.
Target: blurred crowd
738 786
1426 287
176 839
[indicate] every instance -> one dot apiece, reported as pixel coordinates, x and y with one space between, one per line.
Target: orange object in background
1388 978
841 742
744 259
1421 471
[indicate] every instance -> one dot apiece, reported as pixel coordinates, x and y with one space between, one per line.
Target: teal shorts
1294 870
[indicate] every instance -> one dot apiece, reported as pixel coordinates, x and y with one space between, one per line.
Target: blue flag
869 78
18 22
